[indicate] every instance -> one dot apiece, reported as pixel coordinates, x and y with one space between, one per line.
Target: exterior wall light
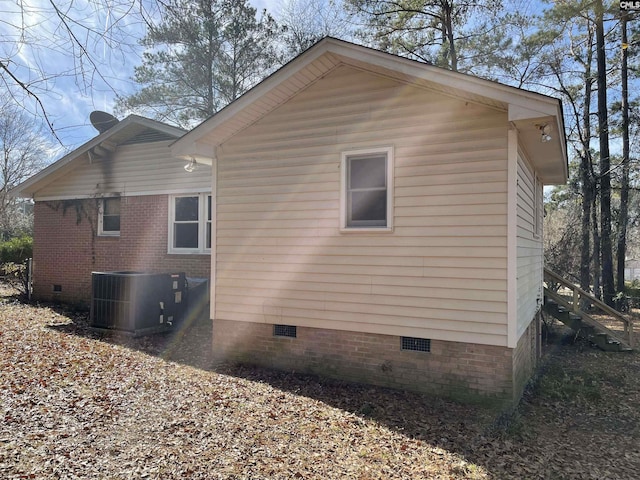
191 166
545 131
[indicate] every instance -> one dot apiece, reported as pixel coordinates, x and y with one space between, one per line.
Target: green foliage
200 57
17 250
559 383
13 256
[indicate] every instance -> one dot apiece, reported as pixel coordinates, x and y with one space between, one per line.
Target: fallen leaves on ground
77 404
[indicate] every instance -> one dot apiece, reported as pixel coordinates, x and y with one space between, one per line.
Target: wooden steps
584 324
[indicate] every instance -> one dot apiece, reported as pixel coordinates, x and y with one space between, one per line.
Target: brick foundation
458 370
526 356
67 249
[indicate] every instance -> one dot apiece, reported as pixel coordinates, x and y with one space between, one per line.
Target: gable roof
527 111
133 129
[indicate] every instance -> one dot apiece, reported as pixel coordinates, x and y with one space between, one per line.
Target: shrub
632 291
13 256
16 250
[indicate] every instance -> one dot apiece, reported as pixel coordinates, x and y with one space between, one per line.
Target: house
361 216
379 220
120 202
632 270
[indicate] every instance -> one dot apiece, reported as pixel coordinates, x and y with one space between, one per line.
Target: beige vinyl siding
141 169
440 274
529 241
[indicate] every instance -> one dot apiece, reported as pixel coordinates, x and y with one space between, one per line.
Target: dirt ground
77 404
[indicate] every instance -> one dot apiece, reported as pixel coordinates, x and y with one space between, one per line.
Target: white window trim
101 231
388 151
202 224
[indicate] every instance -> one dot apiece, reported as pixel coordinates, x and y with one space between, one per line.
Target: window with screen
367 189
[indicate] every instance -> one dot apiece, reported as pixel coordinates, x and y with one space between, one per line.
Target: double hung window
190 223
367 190
109 217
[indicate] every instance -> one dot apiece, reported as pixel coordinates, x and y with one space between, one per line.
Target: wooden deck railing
579 297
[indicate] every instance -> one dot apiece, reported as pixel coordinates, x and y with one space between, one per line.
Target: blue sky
69 83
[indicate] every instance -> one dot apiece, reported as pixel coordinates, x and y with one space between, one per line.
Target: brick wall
67 249
459 370
526 356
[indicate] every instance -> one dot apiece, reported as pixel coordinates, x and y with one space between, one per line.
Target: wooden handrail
579 294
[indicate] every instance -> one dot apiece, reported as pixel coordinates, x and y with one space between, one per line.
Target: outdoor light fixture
545 131
191 166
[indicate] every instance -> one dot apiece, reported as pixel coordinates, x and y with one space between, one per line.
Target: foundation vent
285 331
416 344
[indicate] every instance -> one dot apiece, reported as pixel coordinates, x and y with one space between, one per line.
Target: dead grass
74 404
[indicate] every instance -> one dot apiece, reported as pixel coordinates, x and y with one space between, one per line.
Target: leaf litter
75 404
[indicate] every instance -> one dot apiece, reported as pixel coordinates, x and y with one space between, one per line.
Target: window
367 190
190 223
109 217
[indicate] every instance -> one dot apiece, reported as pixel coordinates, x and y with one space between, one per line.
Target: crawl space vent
416 344
284 331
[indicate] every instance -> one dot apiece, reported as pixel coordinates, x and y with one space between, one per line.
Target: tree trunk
453 56
596 243
623 217
606 247
585 244
588 181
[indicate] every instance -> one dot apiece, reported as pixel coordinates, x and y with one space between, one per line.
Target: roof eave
523 105
28 188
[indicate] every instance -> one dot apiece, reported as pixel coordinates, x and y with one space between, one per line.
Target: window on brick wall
190 223
109 217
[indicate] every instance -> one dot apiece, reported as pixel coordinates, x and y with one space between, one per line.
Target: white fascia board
522 100
456 80
25 189
183 144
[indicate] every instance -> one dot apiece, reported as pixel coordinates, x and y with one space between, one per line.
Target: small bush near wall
14 254
16 250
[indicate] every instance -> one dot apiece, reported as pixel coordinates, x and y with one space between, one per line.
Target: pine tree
203 55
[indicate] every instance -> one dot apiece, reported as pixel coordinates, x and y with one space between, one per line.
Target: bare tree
44 45
305 22
24 152
429 30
